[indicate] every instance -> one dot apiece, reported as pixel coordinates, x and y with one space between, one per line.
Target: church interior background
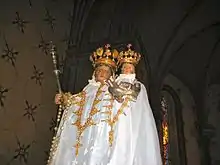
180 44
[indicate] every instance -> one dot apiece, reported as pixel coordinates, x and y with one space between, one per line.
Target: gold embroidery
112 121
56 138
89 121
68 99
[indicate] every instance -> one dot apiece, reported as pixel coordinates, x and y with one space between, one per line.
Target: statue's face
102 73
128 68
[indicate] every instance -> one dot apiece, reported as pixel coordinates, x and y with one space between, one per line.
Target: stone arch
183 121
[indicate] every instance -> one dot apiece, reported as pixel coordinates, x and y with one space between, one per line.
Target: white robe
137 138
135 135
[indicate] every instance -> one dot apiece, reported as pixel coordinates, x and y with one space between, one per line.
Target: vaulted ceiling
175 36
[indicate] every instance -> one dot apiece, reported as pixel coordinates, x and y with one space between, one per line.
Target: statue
110 122
137 141
82 136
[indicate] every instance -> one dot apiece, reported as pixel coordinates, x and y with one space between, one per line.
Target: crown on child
128 56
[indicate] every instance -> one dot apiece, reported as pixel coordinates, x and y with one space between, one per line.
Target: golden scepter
57 72
59 112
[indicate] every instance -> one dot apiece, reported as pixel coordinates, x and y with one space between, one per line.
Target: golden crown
128 56
104 55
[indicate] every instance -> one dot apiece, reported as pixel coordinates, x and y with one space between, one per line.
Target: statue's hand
112 85
111 82
62 98
58 98
135 90
115 90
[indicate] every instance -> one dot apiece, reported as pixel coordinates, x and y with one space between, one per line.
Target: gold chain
56 138
89 121
112 121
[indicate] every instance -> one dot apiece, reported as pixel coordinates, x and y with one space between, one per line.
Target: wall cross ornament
50 20
44 46
21 24
37 76
30 110
21 153
9 54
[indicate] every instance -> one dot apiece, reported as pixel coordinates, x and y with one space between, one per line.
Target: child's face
128 68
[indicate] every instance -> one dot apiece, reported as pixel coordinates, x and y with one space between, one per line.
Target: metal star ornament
30 110
37 76
50 20
44 46
9 54
21 24
21 152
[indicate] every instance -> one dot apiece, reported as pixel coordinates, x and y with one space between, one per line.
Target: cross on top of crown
129 46
107 46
